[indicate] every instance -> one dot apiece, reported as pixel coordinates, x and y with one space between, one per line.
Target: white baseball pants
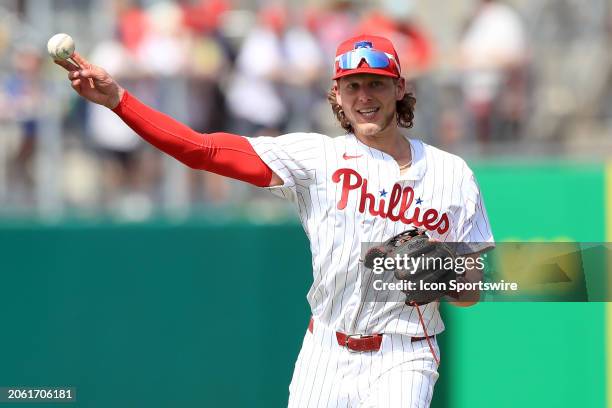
401 374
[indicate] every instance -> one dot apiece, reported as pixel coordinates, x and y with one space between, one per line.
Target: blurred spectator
132 24
304 74
253 94
207 65
20 98
116 143
207 61
493 55
204 16
333 25
164 48
152 53
396 21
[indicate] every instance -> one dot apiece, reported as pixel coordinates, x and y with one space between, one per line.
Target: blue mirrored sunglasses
374 58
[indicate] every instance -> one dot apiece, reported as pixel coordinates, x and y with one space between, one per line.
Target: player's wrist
116 99
463 297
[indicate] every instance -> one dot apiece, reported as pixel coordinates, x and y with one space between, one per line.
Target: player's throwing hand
106 90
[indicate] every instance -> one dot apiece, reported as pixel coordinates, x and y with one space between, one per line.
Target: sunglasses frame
363 53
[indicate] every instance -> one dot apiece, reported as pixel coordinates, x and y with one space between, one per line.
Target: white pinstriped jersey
346 194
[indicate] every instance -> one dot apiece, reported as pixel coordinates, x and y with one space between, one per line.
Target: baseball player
365 186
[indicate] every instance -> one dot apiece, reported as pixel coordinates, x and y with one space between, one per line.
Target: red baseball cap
355 53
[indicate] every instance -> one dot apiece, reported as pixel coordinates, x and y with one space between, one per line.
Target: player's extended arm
222 153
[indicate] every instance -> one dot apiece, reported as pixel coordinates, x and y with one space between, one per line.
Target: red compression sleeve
222 153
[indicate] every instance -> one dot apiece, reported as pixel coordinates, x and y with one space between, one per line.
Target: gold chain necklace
405 166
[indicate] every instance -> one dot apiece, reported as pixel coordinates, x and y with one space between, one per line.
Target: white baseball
60 46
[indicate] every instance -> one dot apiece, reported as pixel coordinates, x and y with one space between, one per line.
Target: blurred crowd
217 66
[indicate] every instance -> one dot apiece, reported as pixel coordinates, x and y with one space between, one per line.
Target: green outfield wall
533 354
202 314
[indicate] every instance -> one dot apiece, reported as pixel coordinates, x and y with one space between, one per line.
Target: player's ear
400 88
335 89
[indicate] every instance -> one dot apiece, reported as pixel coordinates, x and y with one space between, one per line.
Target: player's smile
368 113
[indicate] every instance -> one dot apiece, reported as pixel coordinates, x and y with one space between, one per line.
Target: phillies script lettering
400 200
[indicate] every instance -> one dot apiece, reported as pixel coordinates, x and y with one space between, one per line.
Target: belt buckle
356 336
